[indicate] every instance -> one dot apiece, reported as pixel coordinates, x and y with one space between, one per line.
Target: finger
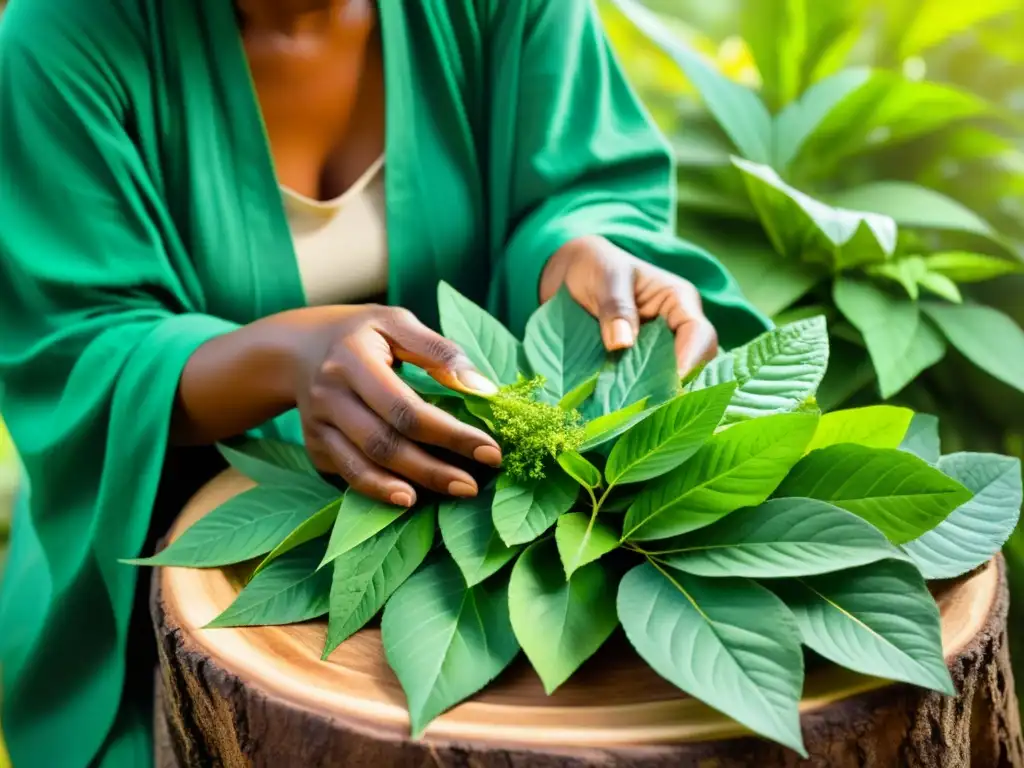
332 452
383 445
696 343
394 401
413 342
616 307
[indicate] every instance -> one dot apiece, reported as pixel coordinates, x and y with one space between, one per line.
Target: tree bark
261 697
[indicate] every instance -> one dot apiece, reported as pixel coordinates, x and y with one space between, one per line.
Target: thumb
616 309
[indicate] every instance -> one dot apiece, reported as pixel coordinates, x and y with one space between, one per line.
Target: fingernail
621 333
489 455
401 499
461 489
477 382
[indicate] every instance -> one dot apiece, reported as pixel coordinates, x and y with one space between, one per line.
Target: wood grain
614 709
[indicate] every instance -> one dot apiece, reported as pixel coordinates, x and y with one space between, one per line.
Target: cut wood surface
262 697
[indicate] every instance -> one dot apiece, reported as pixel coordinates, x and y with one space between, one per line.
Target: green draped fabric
140 216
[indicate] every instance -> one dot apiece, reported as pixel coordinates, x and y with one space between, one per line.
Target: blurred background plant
862 159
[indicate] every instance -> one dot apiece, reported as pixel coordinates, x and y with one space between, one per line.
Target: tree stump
262 697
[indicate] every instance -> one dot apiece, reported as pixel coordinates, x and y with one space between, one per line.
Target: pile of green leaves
800 190
721 521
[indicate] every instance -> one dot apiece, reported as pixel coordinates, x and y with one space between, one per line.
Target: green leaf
524 509
487 343
966 267
985 336
601 430
799 120
738 467
245 526
737 109
471 538
874 426
580 469
975 531
849 371
911 205
646 371
886 110
367 575
780 538
576 397
779 370
272 462
313 527
935 21
289 590
806 229
445 641
907 271
563 344
895 491
668 437
901 343
581 539
922 438
559 623
879 620
728 642
941 286
358 519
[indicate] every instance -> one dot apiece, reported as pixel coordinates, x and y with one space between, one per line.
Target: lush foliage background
861 158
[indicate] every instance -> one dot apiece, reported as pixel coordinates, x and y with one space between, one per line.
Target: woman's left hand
622 291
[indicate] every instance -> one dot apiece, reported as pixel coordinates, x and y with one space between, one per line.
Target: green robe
140 216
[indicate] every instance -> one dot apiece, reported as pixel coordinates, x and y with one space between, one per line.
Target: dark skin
318 70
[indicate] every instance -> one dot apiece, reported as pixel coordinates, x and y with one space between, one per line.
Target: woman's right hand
362 422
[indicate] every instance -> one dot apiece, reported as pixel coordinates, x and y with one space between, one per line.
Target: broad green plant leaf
289 590
646 371
524 509
985 336
606 428
895 491
471 538
779 370
246 526
887 109
975 531
935 21
563 344
272 462
559 623
581 539
445 641
806 229
367 575
873 426
575 398
313 527
728 642
911 205
794 124
359 518
777 539
878 620
486 342
738 467
739 111
922 438
967 267
669 436
901 343
580 469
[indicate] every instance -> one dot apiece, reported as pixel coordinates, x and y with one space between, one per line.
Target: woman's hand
361 421
622 291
